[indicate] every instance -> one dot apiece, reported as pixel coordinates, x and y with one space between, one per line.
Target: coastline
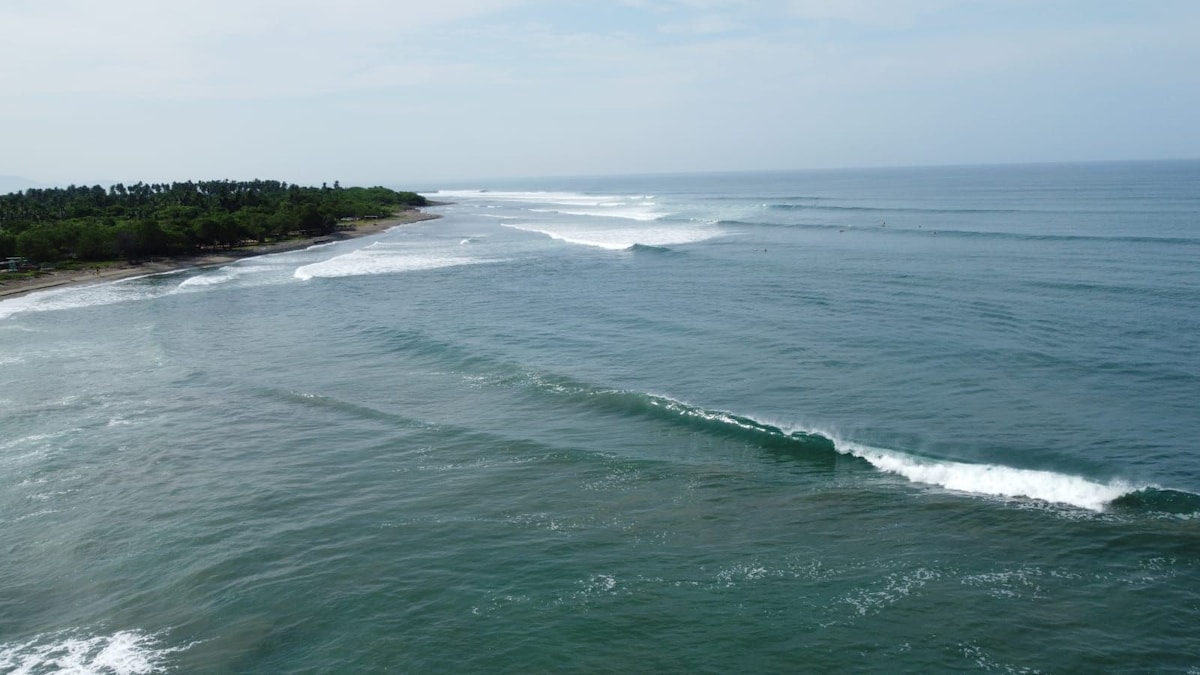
65 278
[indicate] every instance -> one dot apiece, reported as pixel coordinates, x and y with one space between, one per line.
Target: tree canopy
92 223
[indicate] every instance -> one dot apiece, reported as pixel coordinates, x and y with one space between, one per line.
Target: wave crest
624 238
991 480
380 260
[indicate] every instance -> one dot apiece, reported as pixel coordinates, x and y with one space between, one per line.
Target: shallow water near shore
865 421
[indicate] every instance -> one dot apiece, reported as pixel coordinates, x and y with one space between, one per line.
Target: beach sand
56 279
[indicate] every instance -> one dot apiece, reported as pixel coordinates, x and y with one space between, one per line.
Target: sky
397 91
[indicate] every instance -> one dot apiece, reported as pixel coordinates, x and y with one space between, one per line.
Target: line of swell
980 479
913 209
892 209
991 480
761 199
1122 239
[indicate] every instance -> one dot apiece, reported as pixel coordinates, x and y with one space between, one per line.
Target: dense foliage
91 223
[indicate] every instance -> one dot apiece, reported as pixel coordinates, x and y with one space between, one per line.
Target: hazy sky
394 92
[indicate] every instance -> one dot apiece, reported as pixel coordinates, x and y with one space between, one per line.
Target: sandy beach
11 288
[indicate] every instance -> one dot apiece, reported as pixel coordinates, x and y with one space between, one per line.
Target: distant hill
16 184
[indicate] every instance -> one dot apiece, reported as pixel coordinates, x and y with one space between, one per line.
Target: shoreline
66 278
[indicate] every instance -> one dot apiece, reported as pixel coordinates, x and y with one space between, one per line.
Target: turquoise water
870 421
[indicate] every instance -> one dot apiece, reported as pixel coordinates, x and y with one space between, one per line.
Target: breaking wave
991 480
379 258
641 208
623 238
223 275
645 211
537 197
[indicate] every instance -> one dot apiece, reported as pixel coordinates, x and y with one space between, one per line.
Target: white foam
991 479
564 198
207 280
621 238
377 259
75 297
642 212
629 207
224 274
122 653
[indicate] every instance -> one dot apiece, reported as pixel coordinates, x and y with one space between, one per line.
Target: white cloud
215 48
874 13
706 24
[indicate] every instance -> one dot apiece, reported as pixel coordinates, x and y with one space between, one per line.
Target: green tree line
92 223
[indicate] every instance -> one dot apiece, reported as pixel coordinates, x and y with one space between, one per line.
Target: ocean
876 420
